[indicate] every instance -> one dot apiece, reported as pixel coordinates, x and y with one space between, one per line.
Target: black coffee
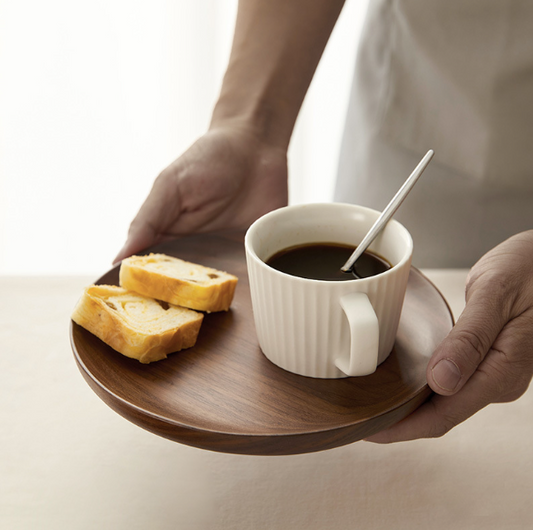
323 261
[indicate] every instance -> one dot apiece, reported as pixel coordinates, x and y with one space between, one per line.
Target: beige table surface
67 461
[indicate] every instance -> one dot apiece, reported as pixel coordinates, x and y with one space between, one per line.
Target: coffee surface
323 261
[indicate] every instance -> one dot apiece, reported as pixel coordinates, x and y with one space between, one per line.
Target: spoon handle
388 212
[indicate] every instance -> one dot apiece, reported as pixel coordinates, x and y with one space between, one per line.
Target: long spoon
388 212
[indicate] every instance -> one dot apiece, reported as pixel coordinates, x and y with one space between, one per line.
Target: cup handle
364 336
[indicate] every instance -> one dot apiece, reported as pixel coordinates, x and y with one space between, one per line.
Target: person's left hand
488 355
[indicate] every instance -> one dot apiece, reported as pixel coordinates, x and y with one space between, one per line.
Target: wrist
252 112
276 48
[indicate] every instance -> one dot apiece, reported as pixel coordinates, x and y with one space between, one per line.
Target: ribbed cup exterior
300 323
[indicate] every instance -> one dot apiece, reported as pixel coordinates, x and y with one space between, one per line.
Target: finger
511 358
442 413
460 353
425 422
139 239
504 375
149 225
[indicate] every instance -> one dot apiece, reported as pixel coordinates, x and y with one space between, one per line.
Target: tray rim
261 439
170 421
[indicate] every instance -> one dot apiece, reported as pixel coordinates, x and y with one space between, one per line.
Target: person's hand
488 355
225 180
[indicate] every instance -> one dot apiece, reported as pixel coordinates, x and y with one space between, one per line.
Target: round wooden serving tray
224 395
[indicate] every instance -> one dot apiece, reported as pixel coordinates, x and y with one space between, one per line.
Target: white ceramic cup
326 329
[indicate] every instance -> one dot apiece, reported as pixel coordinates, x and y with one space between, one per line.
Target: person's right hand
225 180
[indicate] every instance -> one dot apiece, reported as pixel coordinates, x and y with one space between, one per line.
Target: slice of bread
178 282
136 326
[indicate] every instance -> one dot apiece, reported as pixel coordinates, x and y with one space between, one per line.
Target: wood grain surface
224 395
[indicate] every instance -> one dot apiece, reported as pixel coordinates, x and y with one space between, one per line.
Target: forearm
276 48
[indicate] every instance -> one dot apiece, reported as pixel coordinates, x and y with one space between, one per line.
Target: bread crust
209 295
116 330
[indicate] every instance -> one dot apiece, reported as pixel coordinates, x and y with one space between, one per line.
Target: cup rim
279 211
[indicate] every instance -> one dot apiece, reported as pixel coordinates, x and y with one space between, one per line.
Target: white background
96 98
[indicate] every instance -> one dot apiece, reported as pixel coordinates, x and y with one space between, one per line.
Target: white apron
455 76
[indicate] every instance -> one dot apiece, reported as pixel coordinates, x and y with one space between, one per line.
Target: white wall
96 98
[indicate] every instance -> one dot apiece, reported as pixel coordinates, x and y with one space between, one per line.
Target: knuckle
506 376
513 361
474 345
503 290
496 377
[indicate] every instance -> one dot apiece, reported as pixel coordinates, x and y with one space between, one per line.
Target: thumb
462 351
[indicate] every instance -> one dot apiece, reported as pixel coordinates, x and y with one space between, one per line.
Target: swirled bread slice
136 326
178 282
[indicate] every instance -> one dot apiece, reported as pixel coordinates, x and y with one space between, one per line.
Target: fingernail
446 375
